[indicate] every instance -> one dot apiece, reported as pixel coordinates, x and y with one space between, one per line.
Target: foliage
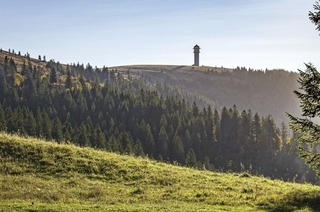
315 16
307 130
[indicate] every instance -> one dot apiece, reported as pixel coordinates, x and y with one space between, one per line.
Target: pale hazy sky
252 33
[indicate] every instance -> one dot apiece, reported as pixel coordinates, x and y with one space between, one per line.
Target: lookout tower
196 51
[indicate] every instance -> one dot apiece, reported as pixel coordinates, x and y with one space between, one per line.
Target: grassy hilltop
43 176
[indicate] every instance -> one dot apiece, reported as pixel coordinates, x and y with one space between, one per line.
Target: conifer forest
112 111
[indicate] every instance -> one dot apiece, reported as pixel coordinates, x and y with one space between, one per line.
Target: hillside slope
265 92
38 176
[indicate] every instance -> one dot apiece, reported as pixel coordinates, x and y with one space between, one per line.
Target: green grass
43 176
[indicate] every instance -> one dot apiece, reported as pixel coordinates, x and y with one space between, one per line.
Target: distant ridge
169 67
267 92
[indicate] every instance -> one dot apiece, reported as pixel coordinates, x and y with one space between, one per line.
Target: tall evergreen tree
177 150
31 125
47 126
68 83
138 148
2 120
53 76
256 129
99 138
3 85
57 131
307 130
67 131
191 159
82 135
216 123
162 144
225 125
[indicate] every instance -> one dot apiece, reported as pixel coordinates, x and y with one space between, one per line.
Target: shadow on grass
298 200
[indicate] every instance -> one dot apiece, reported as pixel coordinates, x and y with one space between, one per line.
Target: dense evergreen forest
267 92
101 108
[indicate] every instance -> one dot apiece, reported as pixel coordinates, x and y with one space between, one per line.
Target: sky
246 33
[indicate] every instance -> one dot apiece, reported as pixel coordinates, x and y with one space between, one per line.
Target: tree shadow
298 200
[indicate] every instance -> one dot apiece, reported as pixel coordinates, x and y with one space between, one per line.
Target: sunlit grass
39 176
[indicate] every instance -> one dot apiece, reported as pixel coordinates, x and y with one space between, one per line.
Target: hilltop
20 59
267 92
41 176
164 68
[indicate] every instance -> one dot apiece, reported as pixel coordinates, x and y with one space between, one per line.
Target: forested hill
268 92
111 110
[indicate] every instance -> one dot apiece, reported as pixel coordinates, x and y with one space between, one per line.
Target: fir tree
2 120
3 85
191 159
53 76
177 150
82 135
47 126
68 83
31 125
57 131
67 131
138 148
99 140
307 130
162 144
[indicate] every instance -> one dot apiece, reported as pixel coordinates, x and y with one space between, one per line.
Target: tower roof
196 46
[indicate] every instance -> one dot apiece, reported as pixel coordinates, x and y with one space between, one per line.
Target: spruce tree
138 148
307 131
68 83
67 131
99 140
225 125
315 16
53 76
3 85
2 119
191 159
47 126
31 125
256 129
82 137
57 130
162 144
177 150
